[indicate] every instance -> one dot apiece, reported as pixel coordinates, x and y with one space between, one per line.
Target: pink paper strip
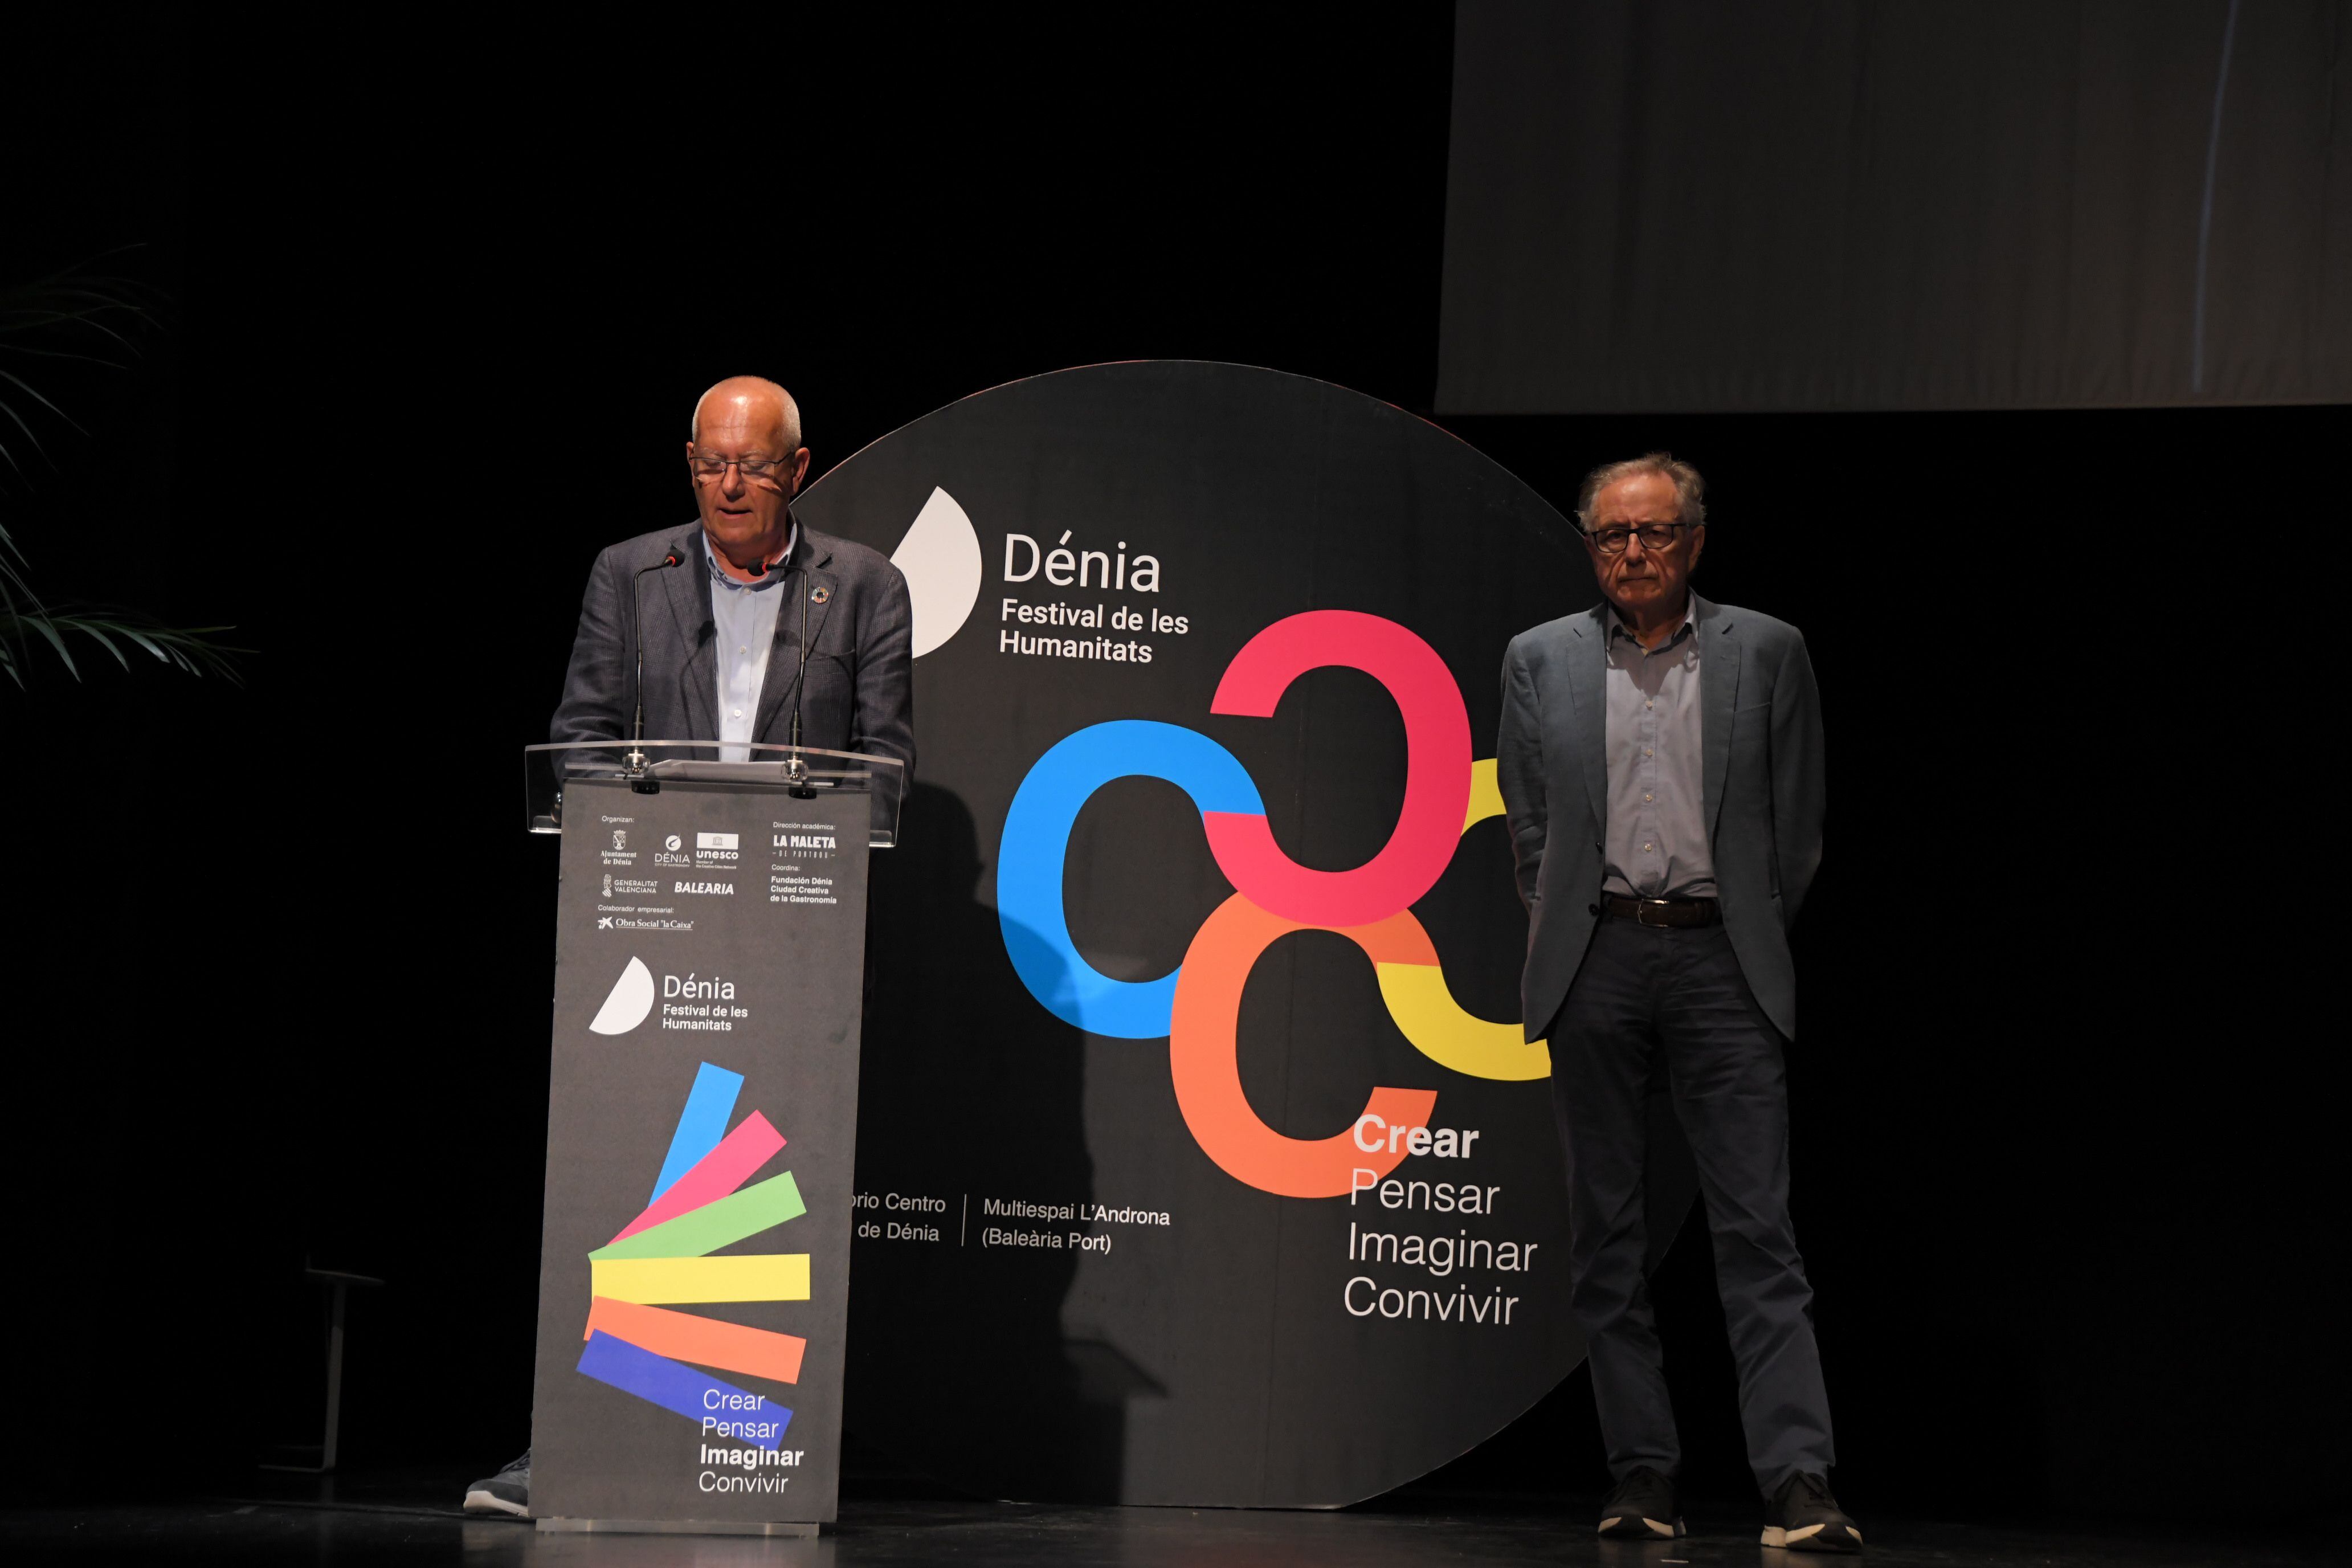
716 1174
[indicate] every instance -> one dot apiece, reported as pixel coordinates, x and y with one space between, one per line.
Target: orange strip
1400 939
705 1341
1204 1062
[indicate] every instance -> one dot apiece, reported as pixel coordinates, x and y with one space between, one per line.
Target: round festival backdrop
1200 1159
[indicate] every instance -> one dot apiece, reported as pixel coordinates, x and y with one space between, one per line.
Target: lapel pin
820 593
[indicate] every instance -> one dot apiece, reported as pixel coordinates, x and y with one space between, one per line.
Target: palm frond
11 573
190 649
87 314
75 314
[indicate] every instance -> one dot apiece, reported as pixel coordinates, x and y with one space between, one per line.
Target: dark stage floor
409 1521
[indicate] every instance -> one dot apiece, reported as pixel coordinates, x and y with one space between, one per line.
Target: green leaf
90 628
47 627
191 649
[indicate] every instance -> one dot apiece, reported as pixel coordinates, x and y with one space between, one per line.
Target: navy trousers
1658 1000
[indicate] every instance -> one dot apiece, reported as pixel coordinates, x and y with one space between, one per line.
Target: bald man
723 634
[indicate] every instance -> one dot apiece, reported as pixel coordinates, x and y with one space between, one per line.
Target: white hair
1690 490
792 411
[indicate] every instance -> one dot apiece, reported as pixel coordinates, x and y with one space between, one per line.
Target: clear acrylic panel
804 770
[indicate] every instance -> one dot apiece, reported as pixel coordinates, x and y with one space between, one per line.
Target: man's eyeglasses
750 467
1612 541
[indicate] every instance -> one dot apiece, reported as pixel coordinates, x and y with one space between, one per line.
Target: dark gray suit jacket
1760 761
859 694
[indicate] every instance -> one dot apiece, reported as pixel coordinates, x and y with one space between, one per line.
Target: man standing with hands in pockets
1661 763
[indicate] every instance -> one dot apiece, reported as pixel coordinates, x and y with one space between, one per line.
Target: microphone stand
796 772
634 763
796 768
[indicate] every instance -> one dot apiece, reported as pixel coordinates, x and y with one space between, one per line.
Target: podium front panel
701 1124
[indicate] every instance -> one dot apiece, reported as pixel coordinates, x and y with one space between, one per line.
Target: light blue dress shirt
1656 835
745 614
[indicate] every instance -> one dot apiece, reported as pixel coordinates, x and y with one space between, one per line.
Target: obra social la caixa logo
1197 1005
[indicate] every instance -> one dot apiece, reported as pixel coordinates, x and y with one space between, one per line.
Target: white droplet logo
632 999
941 558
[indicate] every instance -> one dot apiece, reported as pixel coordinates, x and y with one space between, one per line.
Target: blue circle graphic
1038 836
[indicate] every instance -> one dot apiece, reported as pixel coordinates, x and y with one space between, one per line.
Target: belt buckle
1640 917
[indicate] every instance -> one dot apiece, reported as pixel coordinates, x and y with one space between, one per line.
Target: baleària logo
1197 1005
632 998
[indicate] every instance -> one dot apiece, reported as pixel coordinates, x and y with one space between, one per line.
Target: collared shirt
745 614
1655 842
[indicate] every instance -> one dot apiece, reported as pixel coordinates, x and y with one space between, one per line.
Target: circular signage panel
1201 1156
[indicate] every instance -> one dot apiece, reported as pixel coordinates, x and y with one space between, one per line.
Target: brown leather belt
1664 911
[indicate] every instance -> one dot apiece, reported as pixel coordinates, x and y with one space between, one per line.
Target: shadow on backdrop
1026 1412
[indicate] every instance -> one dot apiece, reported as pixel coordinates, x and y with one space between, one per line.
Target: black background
2002 204
2065 1152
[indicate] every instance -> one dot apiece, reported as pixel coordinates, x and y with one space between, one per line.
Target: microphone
636 757
797 774
797 770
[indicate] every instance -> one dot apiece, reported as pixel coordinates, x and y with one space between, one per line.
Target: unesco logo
1197 1007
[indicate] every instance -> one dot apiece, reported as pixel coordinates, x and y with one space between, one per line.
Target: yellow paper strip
755 1276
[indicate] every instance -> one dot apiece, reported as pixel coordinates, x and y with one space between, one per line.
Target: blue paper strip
674 1385
700 1125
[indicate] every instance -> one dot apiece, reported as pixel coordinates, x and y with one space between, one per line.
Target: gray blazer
860 670
1760 758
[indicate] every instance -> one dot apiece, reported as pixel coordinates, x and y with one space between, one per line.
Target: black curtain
1832 204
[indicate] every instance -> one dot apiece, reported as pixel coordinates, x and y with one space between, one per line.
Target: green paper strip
714 1225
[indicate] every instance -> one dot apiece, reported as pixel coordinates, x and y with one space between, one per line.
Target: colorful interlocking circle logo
1196 1007
1239 1195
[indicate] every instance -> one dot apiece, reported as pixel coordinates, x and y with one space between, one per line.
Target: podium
702 1115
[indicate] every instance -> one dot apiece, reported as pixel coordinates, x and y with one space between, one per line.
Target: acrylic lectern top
646 766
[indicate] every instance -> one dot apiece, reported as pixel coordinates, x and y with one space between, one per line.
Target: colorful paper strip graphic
716 1225
705 1341
717 1173
693 1395
700 1125
740 1277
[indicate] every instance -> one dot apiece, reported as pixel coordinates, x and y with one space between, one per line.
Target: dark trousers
1651 1000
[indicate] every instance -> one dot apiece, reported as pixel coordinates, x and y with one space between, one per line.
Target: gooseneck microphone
636 757
797 770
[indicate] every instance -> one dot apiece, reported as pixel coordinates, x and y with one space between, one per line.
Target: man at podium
754 629
761 630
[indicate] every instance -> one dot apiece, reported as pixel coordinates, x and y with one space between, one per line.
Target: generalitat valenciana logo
632 999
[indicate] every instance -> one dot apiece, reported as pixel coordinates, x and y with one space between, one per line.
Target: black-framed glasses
750 468
1610 541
